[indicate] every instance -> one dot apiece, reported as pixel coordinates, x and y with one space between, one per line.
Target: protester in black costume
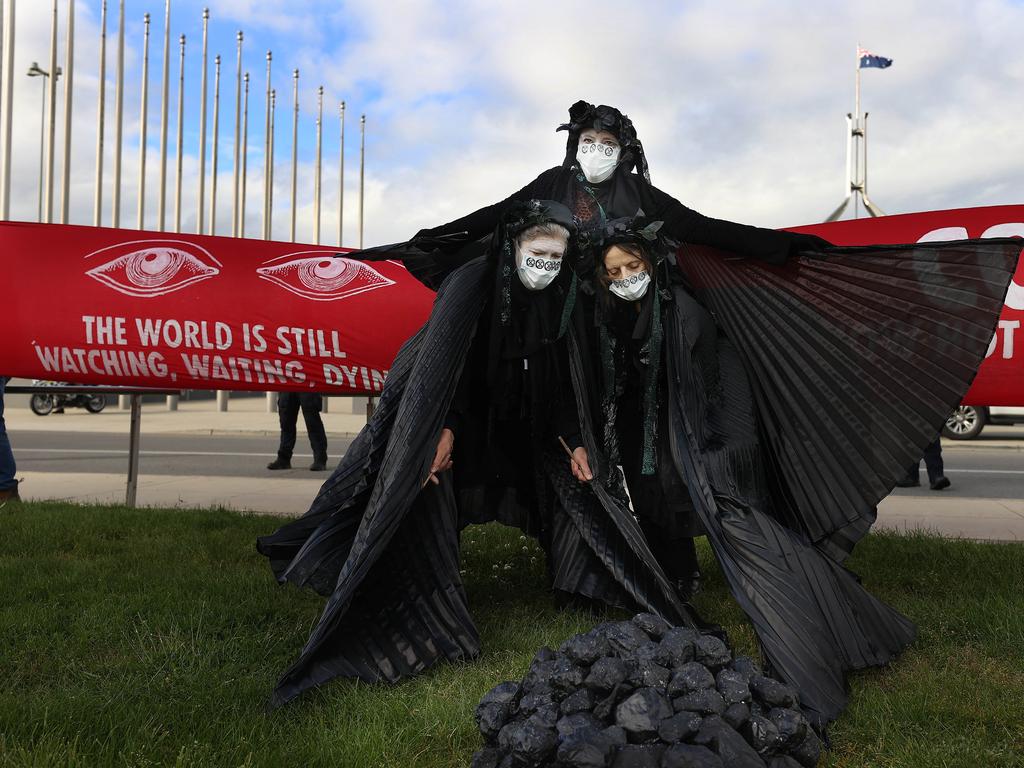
814 620
635 429
385 548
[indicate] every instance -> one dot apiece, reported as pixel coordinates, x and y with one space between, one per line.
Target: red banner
122 307
115 306
1000 378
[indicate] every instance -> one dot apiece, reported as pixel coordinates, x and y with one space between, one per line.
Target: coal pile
643 694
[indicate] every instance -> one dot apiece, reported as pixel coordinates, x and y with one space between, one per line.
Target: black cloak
385 551
790 406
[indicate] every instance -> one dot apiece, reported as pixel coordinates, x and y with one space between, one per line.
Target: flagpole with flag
856 146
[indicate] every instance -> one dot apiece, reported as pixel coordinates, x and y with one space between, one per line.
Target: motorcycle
42 404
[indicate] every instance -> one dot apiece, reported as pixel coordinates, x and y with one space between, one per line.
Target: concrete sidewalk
290 493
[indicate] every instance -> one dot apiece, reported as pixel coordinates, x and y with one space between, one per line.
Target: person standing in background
288 405
937 479
8 483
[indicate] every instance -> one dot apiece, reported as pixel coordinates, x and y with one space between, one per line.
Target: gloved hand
807 245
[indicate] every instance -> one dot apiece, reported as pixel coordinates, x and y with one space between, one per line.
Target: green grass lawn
154 637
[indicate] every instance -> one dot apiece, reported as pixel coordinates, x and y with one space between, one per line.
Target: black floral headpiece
583 115
519 217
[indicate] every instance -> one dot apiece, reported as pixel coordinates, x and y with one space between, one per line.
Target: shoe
689 586
940 483
9 494
318 465
280 463
907 483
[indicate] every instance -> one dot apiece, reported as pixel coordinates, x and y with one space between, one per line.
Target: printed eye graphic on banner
321 276
147 268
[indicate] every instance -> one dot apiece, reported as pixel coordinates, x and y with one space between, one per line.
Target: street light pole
36 71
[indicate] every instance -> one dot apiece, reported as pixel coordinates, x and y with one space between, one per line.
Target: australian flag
868 59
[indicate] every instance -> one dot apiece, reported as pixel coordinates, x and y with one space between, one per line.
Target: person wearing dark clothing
288 406
466 431
755 381
8 467
937 479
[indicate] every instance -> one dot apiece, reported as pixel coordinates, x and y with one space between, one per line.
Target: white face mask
536 273
597 161
631 288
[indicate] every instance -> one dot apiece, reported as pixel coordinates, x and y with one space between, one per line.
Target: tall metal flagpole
178 155
295 147
237 166
266 158
118 122
341 178
162 196
52 129
216 136
201 206
317 168
270 196
68 92
245 149
172 400
362 174
8 110
855 186
222 395
142 123
97 214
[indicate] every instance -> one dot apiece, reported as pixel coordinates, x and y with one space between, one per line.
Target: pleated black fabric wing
812 617
856 361
398 604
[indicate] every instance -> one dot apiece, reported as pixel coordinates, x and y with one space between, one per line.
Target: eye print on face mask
322 277
148 268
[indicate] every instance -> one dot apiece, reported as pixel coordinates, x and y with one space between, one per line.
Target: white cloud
741 106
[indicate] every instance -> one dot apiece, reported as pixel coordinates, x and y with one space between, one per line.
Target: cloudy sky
741 105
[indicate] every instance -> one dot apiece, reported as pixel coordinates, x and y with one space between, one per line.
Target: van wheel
964 423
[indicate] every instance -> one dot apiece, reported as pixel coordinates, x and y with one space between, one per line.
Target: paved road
976 471
178 455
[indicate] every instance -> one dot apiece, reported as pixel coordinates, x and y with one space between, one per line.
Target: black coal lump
746 666
762 735
772 692
647 674
733 687
690 756
566 675
711 651
679 727
729 745
588 749
581 700
677 647
533 742
640 714
689 677
808 751
792 725
638 756
624 637
586 648
707 701
736 715
570 725
654 626
606 673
